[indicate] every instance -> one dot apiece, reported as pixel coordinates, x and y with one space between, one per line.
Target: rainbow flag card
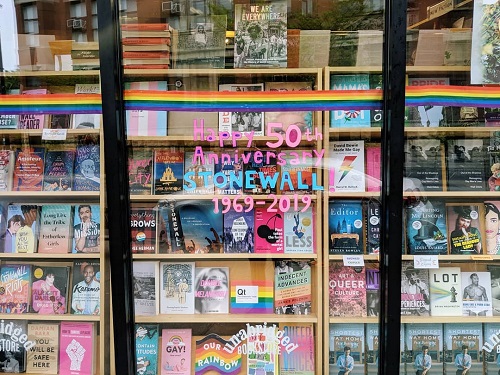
252 297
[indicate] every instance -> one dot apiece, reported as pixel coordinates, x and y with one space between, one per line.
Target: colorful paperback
87 175
423 165
146 349
457 335
15 288
446 291
32 121
299 358
427 115
49 289
372 290
176 352
466 163
168 172
415 299
55 229
251 297
373 226
28 169
476 294
229 177
86 120
22 228
213 354
261 176
58 171
77 348
86 292
465 228
198 176
143 225
269 231
9 121
211 290
239 231
140 171
10 344
296 175
6 169
350 118
86 229
292 287
347 290
299 231
146 287
43 358
262 350
345 223
347 169
177 288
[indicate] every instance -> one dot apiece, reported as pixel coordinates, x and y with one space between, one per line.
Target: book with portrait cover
58 170
86 229
86 287
424 163
426 227
466 163
269 231
262 350
351 335
350 118
490 347
211 290
176 351
292 287
146 287
476 292
49 289
372 275
345 223
347 169
415 299
56 223
198 176
43 358
297 358
22 232
261 175
168 171
446 291
465 228
347 290
239 231
15 280
147 348
260 39
11 349
296 174
28 169
373 226
143 226
77 348
455 336
140 170
373 167
299 231
87 174
7 158
177 288
429 334
251 297
215 354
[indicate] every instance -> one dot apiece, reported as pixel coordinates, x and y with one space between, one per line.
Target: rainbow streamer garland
204 101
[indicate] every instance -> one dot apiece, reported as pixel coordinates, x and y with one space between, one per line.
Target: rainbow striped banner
208 101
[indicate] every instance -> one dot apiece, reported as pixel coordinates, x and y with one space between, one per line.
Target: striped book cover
214 353
252 297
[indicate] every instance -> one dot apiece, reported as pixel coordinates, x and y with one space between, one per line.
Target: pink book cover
373 168
32 121
146 123
176 352
76 350
269 231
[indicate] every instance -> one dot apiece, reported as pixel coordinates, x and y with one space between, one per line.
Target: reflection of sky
8 35
434 115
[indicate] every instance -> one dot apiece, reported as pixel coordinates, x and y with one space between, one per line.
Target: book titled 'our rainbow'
211 356
252 297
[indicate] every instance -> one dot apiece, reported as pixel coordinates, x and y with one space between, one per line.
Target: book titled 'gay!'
76 351
176 351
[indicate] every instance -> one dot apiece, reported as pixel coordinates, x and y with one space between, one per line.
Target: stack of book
146 45
85 55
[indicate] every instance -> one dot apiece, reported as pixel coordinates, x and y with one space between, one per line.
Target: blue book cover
228 178
458 334
426 227
429 334
87 175
86 229
351 335
350 118
259 175
58 171
15 280
146 349
168 172
345 223
238 231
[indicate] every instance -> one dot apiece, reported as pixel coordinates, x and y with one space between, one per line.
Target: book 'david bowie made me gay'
232 175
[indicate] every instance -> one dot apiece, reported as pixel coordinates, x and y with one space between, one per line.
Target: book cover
7 158
168 172
77 348
456 336
146 287
292 287
476 294
490 347
299 230
56 221
446 291
269 230
86 229
43 357
251 297
9 121
495 288
144 122
465 228
371 349
261 175
347 166
423 164
466 163
349 118
87 120
176 351
212 354
347 290
299 359
428 334
373 208
211 290
372 275
415 297
86 292
28 169
262 350
345 223
260 35
198 176
373 168
143 226
22 230
428 115
15 288
350 335
228 177
177 288
59 121
296 173
426 231
87 173
239 231
58 170
243 122
49 289
140 170
12 354
146 348
32 121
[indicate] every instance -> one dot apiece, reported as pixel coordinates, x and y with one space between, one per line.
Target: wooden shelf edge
224 318
227 256
68 256
198 72
62 317
343 319
51 73
419 319
38 132
82 195
453 194
155 198
409 257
